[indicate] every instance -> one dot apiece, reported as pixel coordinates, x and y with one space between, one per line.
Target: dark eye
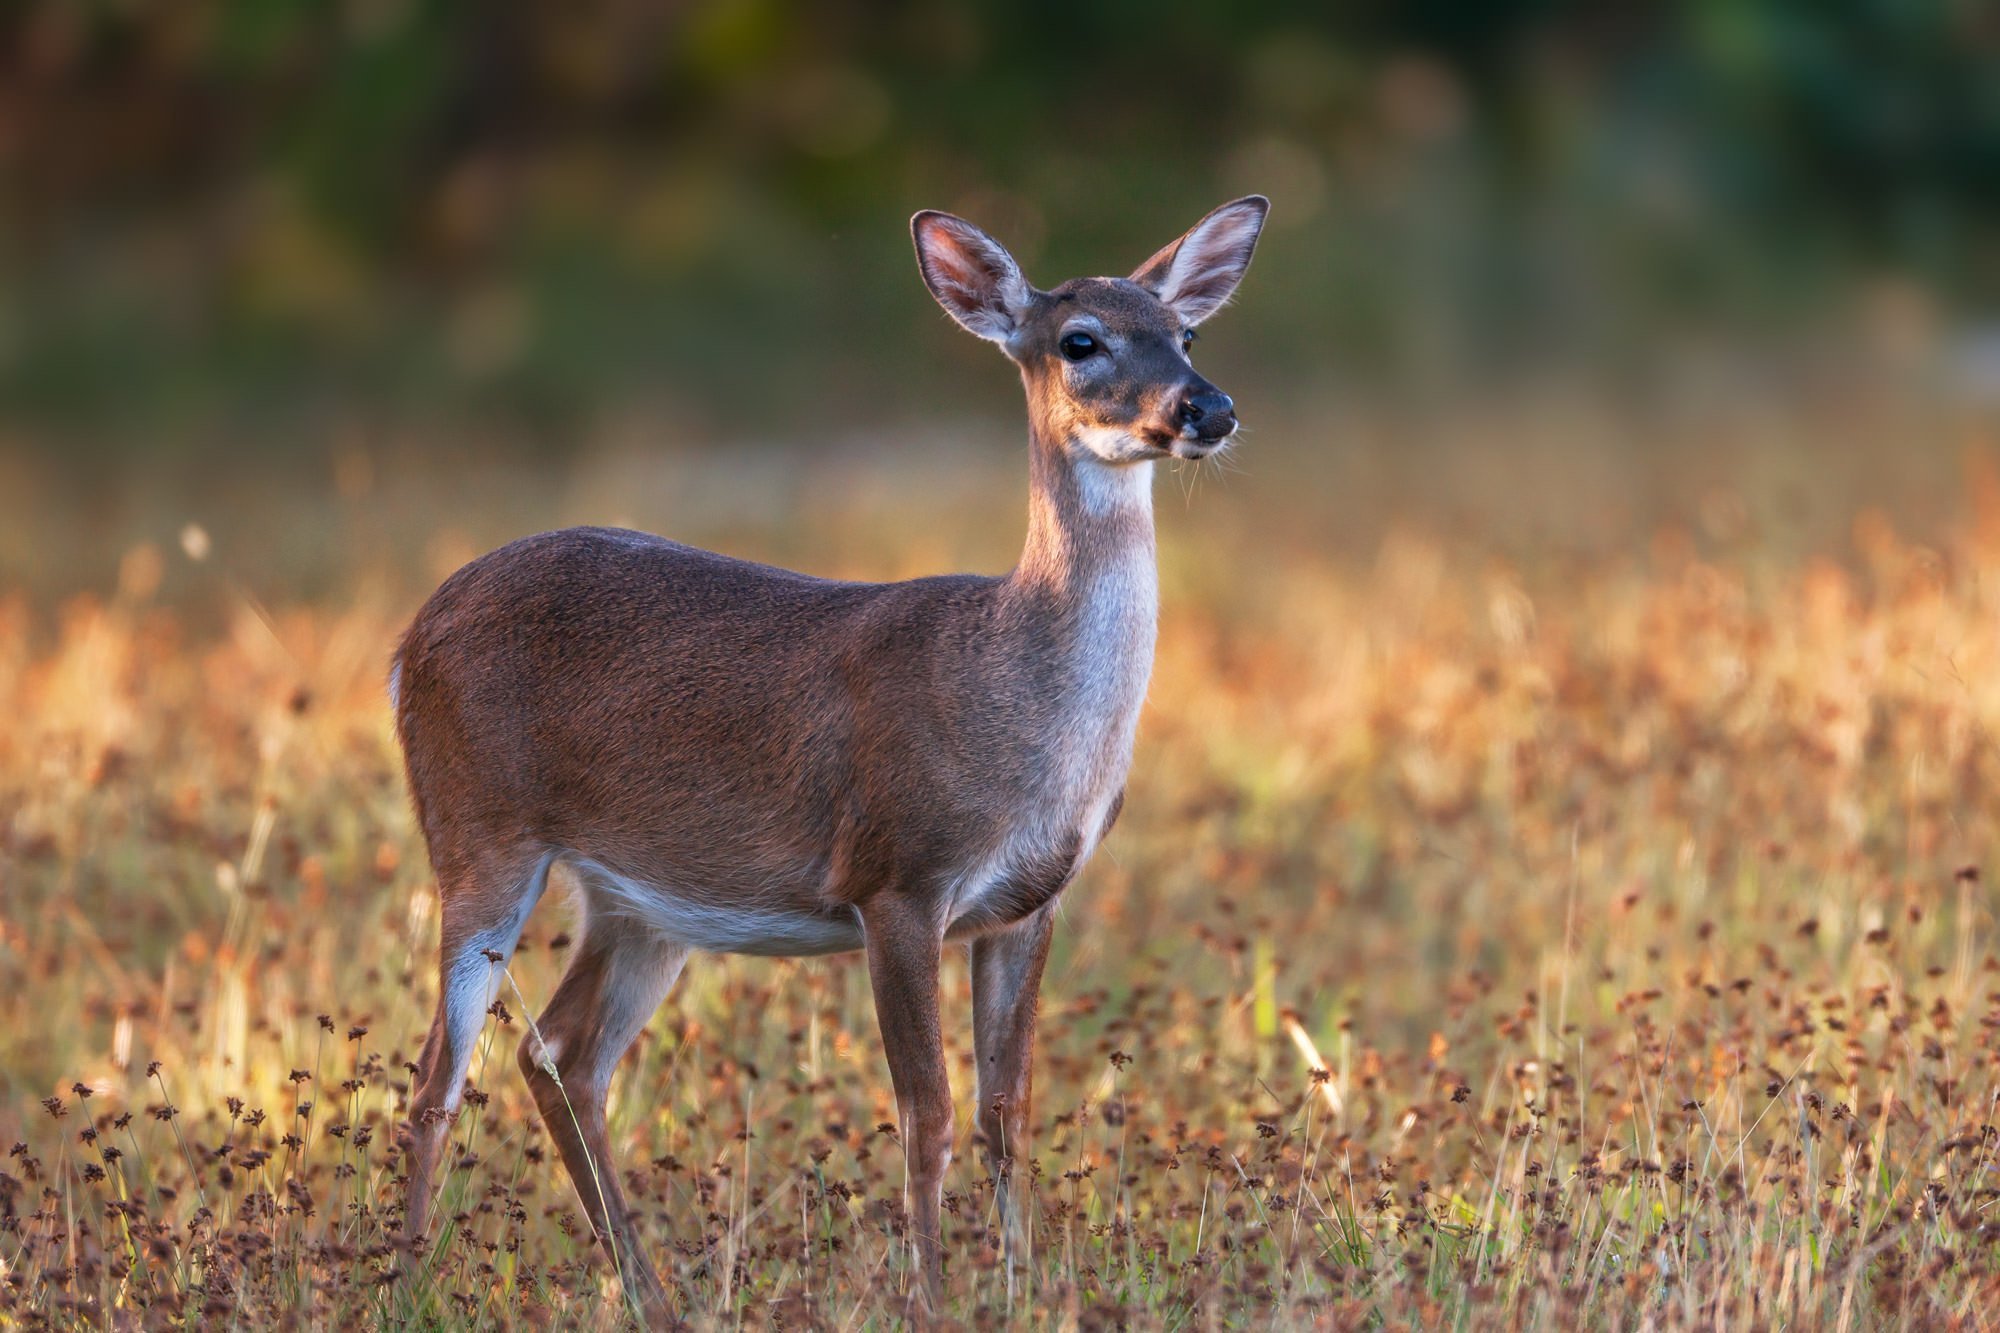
1187 340
1077 346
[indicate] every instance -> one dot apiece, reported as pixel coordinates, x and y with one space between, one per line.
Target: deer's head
1106 360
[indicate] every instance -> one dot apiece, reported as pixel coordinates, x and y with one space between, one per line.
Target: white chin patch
1190 445
1112 445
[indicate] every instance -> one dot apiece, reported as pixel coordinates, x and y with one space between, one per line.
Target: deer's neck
1090 549
1085 605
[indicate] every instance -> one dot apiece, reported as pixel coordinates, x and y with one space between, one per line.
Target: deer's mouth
1193 444
1189 443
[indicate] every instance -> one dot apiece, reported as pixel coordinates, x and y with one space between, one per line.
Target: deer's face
1106 360
1107 365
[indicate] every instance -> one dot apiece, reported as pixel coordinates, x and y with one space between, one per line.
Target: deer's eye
1077 346
1187 341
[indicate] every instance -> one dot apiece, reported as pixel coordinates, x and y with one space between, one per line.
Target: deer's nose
1205 406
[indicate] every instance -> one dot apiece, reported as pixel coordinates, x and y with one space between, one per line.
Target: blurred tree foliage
218 207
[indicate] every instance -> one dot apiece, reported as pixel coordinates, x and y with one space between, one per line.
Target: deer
726 757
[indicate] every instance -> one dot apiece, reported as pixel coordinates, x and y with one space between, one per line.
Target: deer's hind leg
618 978
485 902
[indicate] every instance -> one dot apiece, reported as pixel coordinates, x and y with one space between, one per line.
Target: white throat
1117 624
1113 488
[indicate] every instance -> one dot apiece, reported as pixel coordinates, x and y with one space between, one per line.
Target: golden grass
1634 907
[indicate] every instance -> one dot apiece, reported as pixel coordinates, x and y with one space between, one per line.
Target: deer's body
733 758
965 736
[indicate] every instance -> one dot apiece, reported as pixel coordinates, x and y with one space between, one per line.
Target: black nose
1207 410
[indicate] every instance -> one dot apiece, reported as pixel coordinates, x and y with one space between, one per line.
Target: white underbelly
771 932
974 895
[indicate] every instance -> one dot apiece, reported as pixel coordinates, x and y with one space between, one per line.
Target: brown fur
731 755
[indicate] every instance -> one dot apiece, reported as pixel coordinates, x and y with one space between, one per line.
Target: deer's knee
540 1060
930 1142
1003 1124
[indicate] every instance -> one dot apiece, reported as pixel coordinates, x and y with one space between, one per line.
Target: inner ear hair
971 275
1197 273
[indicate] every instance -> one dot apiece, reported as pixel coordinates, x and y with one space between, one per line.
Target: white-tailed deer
738 759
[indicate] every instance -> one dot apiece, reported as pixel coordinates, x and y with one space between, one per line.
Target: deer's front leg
904 944
1006 984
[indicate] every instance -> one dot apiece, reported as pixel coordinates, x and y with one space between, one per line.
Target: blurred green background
247 233
220 207
1611 552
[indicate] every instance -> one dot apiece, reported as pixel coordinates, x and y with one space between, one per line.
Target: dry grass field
1587 920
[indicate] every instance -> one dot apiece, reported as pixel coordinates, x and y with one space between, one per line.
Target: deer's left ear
971 275
1196 275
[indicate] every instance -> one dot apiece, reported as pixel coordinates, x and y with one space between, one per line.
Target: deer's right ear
1196 275
971 275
